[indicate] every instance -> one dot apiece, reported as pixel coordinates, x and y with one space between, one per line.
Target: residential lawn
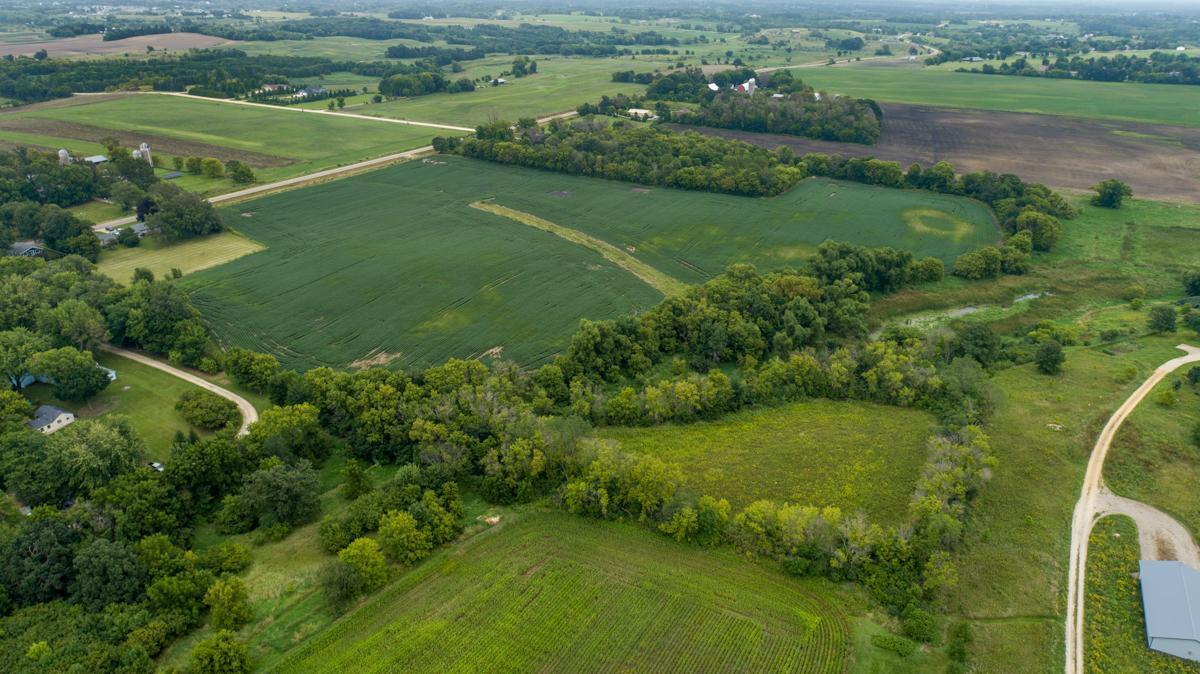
853 455
1131 101
301 143
191 255
143 394
546 591
1114 621
395 266
97 211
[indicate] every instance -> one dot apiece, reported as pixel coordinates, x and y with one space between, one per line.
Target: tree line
1159 68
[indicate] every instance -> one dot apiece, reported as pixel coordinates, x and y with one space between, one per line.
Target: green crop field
395 265
853 455
551 592
278 143
1151 103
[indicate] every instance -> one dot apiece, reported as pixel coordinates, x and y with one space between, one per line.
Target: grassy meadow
856 456
191 255
1130 101
545 591
280 144
394 264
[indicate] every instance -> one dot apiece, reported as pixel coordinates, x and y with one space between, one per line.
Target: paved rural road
249 414
1095 501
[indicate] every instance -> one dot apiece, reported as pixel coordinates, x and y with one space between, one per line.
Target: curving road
249 414
1096 501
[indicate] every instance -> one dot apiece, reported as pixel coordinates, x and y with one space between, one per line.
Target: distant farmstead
48 419
1171 600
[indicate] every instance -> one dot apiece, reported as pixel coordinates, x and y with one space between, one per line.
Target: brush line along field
552 592
856 456
394 265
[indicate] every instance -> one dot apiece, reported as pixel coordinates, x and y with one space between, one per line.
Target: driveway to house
249 414
1161 536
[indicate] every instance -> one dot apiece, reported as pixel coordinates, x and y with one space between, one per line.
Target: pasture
395 265
1127 101
546 591
853 455
277 143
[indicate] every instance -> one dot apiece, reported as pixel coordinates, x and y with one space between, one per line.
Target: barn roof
45 414
1171 599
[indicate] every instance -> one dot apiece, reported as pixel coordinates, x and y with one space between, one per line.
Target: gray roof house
48 418
1171 600
27 249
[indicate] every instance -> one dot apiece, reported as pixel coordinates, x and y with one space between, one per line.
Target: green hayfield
146 395
118 262
1151 103
856 456
550 592
309 142
1115 625
395 261
560 84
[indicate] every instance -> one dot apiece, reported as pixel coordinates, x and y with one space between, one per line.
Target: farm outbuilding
1171 600
48 418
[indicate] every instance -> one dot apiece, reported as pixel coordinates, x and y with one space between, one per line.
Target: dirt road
1093 502
249 414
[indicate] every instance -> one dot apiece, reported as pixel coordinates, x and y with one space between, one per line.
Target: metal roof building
1171 599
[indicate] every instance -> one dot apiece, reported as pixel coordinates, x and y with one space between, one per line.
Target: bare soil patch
172 146
87 45
1160 162
377 358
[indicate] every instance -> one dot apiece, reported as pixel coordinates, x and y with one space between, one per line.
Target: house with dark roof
27 249
1171 600
48 419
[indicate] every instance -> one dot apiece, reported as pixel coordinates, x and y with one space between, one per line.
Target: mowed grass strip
187 256
649 275
552 592
853 455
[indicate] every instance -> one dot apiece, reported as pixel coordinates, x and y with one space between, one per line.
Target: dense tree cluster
647 155
841 118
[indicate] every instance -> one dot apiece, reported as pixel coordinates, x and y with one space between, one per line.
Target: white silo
64 157
145 149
